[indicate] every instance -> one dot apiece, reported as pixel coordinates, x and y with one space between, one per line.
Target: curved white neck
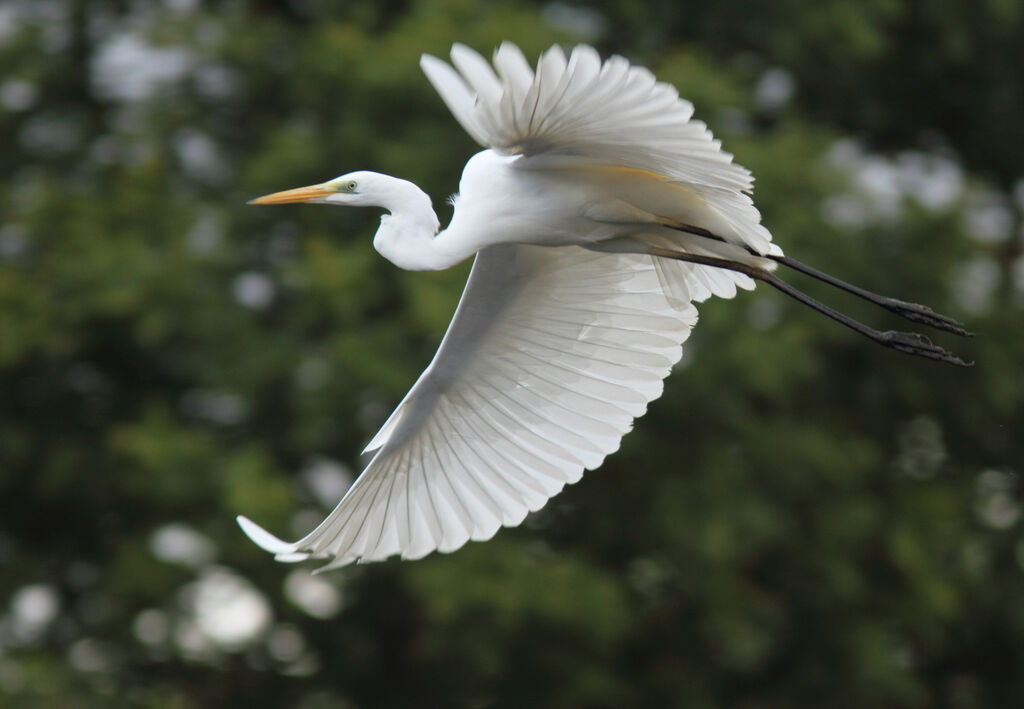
406 235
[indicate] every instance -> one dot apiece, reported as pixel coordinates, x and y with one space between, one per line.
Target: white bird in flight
599 211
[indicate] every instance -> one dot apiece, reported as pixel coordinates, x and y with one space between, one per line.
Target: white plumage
568 324
518 401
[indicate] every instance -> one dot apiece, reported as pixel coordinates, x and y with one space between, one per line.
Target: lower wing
550 356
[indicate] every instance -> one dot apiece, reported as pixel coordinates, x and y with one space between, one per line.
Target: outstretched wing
550 356
578 110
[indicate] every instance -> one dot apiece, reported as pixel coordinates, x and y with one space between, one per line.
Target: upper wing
579 110
611 112
550 356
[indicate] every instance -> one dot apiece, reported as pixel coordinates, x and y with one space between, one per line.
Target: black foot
924 314
907 342
916 344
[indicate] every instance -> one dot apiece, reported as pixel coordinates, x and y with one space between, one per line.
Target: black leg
910 311
908 342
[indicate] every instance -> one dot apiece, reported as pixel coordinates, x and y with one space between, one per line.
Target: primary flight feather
598 212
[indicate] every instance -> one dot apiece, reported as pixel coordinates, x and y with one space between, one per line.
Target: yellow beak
299 194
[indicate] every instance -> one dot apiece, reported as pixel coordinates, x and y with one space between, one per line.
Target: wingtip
464 51
507 47
262 538
555 51
428 60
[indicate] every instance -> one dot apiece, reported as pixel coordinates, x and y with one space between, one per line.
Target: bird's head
406 237
354 189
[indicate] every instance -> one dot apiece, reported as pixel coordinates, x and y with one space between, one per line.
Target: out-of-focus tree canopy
803 520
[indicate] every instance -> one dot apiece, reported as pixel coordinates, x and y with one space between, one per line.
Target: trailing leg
908 342
910 311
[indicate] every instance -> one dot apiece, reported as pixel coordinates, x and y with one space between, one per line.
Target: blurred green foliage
803 520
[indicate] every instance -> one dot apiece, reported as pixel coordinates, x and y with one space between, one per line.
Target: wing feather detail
538 378
606 113
576 111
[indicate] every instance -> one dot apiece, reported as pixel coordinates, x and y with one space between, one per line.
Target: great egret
598 212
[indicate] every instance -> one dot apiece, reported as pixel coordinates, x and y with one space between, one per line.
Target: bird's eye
350 186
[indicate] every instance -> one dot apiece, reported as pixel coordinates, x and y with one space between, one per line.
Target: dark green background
803 520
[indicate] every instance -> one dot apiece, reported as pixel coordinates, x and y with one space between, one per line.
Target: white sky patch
178 543
181 6
976 284
127 68
18 94
33 610
774 89
995 504
206 233
922 450
327 479
216 82
10 22
192 642
989 217
90 655
253 290
226 610
879 181
882 185
215 406
844 154
315 595
152 627
13 241
200 156
584 23
999 511
934 180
